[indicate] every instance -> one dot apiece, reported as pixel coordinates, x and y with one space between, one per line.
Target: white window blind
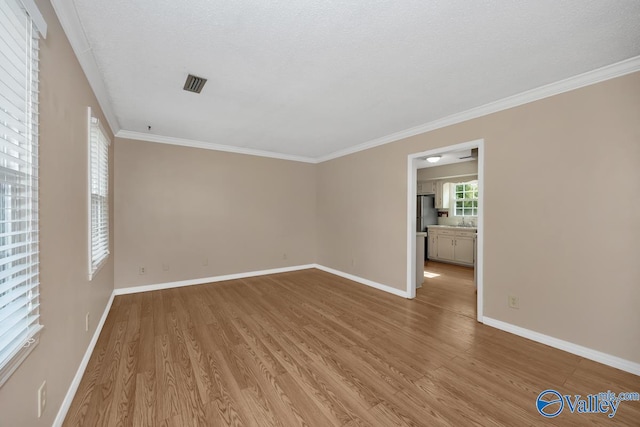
99 195
19 264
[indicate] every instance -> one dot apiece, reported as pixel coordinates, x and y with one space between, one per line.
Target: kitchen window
465 198
99 195
19 248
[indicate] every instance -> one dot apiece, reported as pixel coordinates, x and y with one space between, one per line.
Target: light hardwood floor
310 348
449 287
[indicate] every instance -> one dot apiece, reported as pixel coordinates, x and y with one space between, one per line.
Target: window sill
20 355
101 264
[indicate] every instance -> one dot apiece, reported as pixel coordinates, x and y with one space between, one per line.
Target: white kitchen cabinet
441 195
463 252
426 187
432 248
452 245
446 247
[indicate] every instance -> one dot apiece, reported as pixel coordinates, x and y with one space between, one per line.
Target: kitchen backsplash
456 220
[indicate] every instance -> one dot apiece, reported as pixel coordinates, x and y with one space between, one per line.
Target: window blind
19 263
99 197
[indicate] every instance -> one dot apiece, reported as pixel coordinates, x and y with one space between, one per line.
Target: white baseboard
204 280
201 281
73 388
75 383
380 286
587 353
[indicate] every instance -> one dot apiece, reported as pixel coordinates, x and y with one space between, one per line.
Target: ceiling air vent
194 84
468 154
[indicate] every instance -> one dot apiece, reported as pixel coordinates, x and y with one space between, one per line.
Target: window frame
21 283
473 200
100 142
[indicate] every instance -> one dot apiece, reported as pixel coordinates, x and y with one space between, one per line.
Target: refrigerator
426 214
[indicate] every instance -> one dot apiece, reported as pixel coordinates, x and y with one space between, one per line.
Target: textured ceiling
310 78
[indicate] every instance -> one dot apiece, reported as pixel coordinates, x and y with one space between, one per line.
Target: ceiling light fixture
433 159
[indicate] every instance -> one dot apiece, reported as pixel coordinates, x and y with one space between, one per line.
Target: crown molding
149 137
70 22
598 75
67 14
608 72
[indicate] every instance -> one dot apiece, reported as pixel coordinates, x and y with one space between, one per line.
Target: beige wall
180 206
66 293
574 155
568 249
445 171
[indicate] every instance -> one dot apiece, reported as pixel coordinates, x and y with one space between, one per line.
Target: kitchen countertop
455 227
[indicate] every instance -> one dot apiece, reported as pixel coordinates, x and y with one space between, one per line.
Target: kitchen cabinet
426 187
441 195
452 245
446 247
463 250
432 248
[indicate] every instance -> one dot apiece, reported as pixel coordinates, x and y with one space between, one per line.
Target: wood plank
310 348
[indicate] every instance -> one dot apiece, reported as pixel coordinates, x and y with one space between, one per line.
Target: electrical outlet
165 266
141 270
86 323
514 302
42 398
284 256
205 262
353 262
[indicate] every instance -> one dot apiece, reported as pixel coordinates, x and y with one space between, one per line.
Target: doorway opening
445 224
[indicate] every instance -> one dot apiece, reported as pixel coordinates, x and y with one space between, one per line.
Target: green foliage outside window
466 199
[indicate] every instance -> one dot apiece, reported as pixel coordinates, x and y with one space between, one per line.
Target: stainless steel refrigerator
426 215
